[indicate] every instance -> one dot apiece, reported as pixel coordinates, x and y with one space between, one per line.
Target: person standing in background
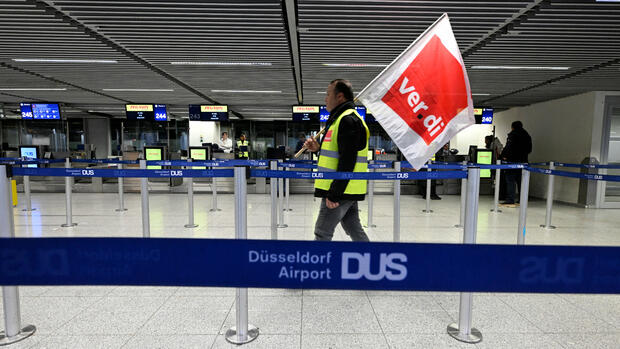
518 147
226 143
243 145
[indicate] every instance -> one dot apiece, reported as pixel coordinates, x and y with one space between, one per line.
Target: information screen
139 111
198 154
155 154
45 111
29 152
485 157
483 115
26 110
208 112
306 113
161 114
324 114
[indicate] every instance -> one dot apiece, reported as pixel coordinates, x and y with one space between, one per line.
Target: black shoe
435 197
507 202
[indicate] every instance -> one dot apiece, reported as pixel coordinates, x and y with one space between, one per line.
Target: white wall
561 130
473 135
208 130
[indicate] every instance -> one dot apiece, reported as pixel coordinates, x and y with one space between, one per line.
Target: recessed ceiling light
245 91
137 89
31 89
480 94
353 65
517 67
224 63
54 60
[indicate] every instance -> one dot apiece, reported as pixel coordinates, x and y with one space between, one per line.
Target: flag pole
404 51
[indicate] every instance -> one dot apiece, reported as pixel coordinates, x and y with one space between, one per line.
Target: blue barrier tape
562 164
295 165
31 162
111 173
209 163
539 163
594 177
375 166
309 265
104 161
358 175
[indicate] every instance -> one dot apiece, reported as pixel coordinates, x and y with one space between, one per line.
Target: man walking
344 148
518 146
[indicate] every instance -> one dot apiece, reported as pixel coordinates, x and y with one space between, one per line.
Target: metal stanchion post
547 224
121 192
497 186
428 192
144 190
213 195
274 204
371 194
463 330
396 225
281 203
463 200
287 192
243 332
69 212
190 202
524 192
13 331
27 195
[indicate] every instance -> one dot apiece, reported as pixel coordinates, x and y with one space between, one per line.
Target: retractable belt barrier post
68 205
428 191
524 193
190 201
243 332
463 202
463 330
287 192
550 180
13 331
27 195
281 202
396 225
121 191
144 191
274 205
371 194
497 187
214 195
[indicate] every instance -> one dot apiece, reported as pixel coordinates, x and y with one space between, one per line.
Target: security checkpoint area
309 174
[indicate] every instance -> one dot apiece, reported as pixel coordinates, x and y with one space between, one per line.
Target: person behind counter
226 143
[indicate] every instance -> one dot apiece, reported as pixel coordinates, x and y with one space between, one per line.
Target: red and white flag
422 99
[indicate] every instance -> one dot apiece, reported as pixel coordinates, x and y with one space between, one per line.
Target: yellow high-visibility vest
328 157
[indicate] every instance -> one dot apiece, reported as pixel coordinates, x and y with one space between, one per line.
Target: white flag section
422 99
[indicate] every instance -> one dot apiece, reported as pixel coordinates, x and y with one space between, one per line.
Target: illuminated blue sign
45 111
26 110
487 116
324 114
160 112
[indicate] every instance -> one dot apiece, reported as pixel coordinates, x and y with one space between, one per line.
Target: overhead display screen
483 115
150 112
324 114
208 112
40 111
306 113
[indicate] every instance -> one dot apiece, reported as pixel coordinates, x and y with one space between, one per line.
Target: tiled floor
178 317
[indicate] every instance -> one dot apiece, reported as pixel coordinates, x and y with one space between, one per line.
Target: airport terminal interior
109 83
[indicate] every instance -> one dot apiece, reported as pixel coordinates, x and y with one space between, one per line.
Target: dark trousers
422 185
346 214
513 181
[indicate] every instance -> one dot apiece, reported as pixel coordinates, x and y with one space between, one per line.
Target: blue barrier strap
539 164
111 173
296 165
375 166
104 161
562 164
209 163
594 177
309 265
32 162
358 175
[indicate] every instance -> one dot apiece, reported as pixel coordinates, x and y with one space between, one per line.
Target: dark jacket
518 146
351 139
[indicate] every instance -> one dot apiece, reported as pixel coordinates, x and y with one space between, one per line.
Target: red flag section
430 92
